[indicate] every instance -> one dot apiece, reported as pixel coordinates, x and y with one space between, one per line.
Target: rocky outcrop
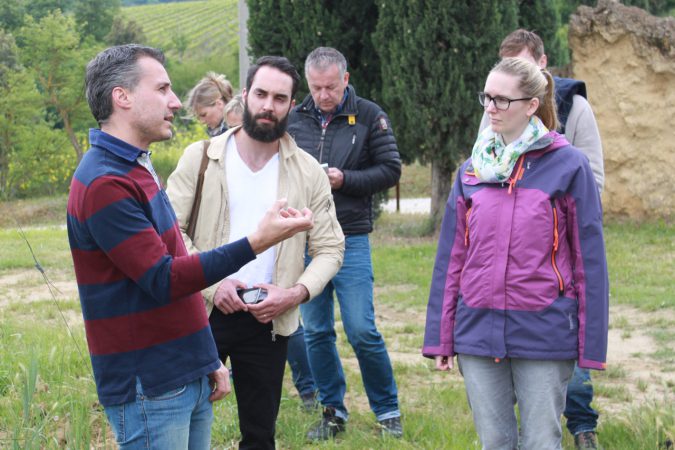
627 59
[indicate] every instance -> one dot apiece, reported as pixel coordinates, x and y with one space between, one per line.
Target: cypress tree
293 28
543 17
435 56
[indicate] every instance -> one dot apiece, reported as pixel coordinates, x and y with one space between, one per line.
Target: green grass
641 261
50 244
415 182
48 398
644 428
48 390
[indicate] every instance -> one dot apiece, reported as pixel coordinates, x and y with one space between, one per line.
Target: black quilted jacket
360 142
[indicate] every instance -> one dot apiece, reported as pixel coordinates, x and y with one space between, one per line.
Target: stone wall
627 59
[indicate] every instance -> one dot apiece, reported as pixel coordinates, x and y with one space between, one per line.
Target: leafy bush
35 159
165 155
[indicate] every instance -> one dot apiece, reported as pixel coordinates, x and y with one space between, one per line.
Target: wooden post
244 61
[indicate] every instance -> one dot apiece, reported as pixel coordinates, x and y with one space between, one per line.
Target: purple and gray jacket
520 269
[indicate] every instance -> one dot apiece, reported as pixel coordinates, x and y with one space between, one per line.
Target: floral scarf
493 161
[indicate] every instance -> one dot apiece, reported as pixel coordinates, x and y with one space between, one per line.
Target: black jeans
258 365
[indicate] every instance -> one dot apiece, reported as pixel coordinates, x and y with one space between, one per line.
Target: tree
543 17
656 7
32 159
125 32
95 17
8 54
11 14
180 42
41 8
52 50
435 56
293 28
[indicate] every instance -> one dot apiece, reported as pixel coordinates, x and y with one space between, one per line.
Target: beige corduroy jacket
301 180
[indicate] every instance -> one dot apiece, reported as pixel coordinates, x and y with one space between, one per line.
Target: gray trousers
538 387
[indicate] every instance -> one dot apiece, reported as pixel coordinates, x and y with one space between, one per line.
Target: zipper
561 286
517 175
321 142
466 228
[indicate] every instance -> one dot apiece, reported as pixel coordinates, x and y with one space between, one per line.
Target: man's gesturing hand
278 224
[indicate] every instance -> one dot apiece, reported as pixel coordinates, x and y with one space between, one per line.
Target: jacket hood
551 141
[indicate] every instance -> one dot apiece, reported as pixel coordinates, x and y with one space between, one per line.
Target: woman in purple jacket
519 288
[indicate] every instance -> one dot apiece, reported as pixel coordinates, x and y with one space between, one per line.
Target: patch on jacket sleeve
383 124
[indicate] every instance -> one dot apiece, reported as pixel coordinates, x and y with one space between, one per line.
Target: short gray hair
321 58
114 67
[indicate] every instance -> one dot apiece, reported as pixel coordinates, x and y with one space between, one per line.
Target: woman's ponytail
547 110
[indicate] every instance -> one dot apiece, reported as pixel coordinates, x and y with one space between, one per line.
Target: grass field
207 24
48 399
197 36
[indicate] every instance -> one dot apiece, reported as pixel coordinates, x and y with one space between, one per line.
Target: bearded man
249 168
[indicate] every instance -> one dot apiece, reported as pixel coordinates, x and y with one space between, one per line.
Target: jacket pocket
549 333
169 395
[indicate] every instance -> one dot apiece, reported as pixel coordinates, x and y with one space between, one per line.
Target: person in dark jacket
352 137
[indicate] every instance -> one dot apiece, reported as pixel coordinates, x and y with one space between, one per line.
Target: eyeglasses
501 103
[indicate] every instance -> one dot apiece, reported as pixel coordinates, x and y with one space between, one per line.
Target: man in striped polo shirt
155 362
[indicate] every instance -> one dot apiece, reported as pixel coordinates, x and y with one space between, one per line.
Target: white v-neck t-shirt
251 194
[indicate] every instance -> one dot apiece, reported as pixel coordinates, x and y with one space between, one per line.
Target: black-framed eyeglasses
501 103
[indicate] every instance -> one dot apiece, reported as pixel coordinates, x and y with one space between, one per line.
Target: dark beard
264 133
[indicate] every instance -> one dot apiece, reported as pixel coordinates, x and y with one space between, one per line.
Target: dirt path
640 366
640 363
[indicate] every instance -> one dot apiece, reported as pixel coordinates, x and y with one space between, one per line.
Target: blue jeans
176 420
297 359
353 286
580 416
537 386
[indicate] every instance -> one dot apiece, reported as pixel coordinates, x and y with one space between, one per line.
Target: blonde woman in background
234 112
207 100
